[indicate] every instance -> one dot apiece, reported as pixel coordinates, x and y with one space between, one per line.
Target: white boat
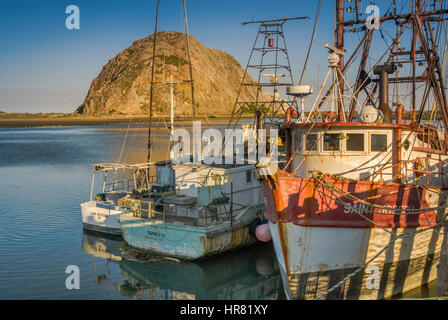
102 212
101 216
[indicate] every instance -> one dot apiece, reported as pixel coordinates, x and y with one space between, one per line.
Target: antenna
282 20
334 49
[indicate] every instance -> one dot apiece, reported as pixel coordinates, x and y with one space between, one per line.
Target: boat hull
313 259
319 240
188 242
101 217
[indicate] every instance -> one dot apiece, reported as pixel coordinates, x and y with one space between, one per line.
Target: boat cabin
369 151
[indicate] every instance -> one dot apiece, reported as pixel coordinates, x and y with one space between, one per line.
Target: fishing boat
119 180
214 208
358 211
195 208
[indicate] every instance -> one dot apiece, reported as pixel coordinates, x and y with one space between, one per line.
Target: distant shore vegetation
248 110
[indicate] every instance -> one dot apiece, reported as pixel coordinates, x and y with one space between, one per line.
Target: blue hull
187 241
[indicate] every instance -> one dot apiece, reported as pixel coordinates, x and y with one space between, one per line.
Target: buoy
263 233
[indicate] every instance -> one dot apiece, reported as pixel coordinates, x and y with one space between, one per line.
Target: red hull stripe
306 202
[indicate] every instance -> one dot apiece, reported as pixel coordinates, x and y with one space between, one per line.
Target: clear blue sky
46 68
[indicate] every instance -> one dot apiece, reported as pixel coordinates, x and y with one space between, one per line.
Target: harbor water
45 174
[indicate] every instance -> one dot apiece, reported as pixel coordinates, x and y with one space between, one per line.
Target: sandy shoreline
77 121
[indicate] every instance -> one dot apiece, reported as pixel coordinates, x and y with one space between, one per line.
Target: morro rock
123 85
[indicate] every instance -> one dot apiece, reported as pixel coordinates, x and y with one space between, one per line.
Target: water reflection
248 274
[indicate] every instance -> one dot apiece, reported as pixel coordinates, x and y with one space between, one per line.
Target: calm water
44 176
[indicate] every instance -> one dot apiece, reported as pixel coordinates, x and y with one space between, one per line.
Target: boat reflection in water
249 274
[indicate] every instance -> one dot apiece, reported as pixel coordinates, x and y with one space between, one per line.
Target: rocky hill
123 85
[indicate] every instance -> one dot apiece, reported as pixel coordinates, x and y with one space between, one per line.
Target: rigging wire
316 21
124 140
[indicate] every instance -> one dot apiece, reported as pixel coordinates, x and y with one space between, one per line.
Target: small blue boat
189 242
215 208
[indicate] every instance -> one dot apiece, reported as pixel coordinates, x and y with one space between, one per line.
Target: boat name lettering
155 234
99 214
362 208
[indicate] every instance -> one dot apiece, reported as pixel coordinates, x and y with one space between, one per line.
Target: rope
312 41
124 141
351 275
394 236
334 191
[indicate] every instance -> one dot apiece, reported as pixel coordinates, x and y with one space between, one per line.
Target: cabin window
332 142
378 142
248 176
311 142
355 142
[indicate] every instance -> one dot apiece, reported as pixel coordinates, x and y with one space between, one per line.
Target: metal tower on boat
269 54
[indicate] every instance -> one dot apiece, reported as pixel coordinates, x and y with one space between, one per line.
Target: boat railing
122 185
430 139
417 168
205 215
127 184
120 171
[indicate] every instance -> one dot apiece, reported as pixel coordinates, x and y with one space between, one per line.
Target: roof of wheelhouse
406 125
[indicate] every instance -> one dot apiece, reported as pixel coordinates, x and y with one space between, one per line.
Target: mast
189 62
171 82
152 84
268 48
172 104
340 46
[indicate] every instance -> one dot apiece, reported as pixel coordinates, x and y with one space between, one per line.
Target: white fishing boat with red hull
358 212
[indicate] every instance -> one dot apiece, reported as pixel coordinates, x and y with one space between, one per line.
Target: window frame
297 140
341 146
388 140
365 136
249 175
317 148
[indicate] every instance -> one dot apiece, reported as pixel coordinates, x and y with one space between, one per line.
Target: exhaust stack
383 71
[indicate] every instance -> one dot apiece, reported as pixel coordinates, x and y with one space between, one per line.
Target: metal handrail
123 182
426 132
405 163
145 206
